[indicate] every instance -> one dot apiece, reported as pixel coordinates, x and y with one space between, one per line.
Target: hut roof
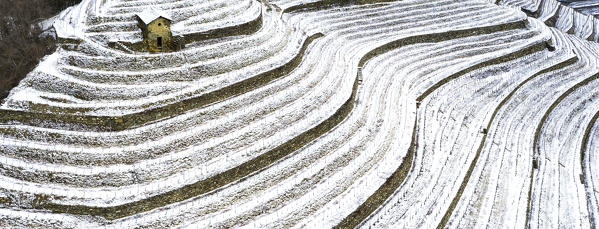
151 14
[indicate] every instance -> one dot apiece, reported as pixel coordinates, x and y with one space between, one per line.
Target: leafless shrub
21 46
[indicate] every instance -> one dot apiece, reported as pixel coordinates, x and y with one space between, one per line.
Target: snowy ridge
402 114
573 17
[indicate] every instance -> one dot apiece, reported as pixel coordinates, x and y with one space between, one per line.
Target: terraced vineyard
314 114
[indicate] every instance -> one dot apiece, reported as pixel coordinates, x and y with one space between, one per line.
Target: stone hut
155 26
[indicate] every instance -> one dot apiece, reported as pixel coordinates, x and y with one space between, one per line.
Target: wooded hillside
20 45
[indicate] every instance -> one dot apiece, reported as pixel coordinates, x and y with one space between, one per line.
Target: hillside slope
376 114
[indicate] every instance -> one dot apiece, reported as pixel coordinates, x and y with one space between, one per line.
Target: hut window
159 41
159 24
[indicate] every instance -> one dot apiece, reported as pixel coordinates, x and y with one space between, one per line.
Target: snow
151 14
65 30
570 16
478 105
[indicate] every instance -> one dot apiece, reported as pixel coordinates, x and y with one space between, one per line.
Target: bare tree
21 46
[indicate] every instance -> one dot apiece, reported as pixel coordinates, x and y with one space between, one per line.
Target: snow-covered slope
577 17
377 114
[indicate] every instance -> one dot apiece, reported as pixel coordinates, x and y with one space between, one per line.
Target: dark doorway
159 42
